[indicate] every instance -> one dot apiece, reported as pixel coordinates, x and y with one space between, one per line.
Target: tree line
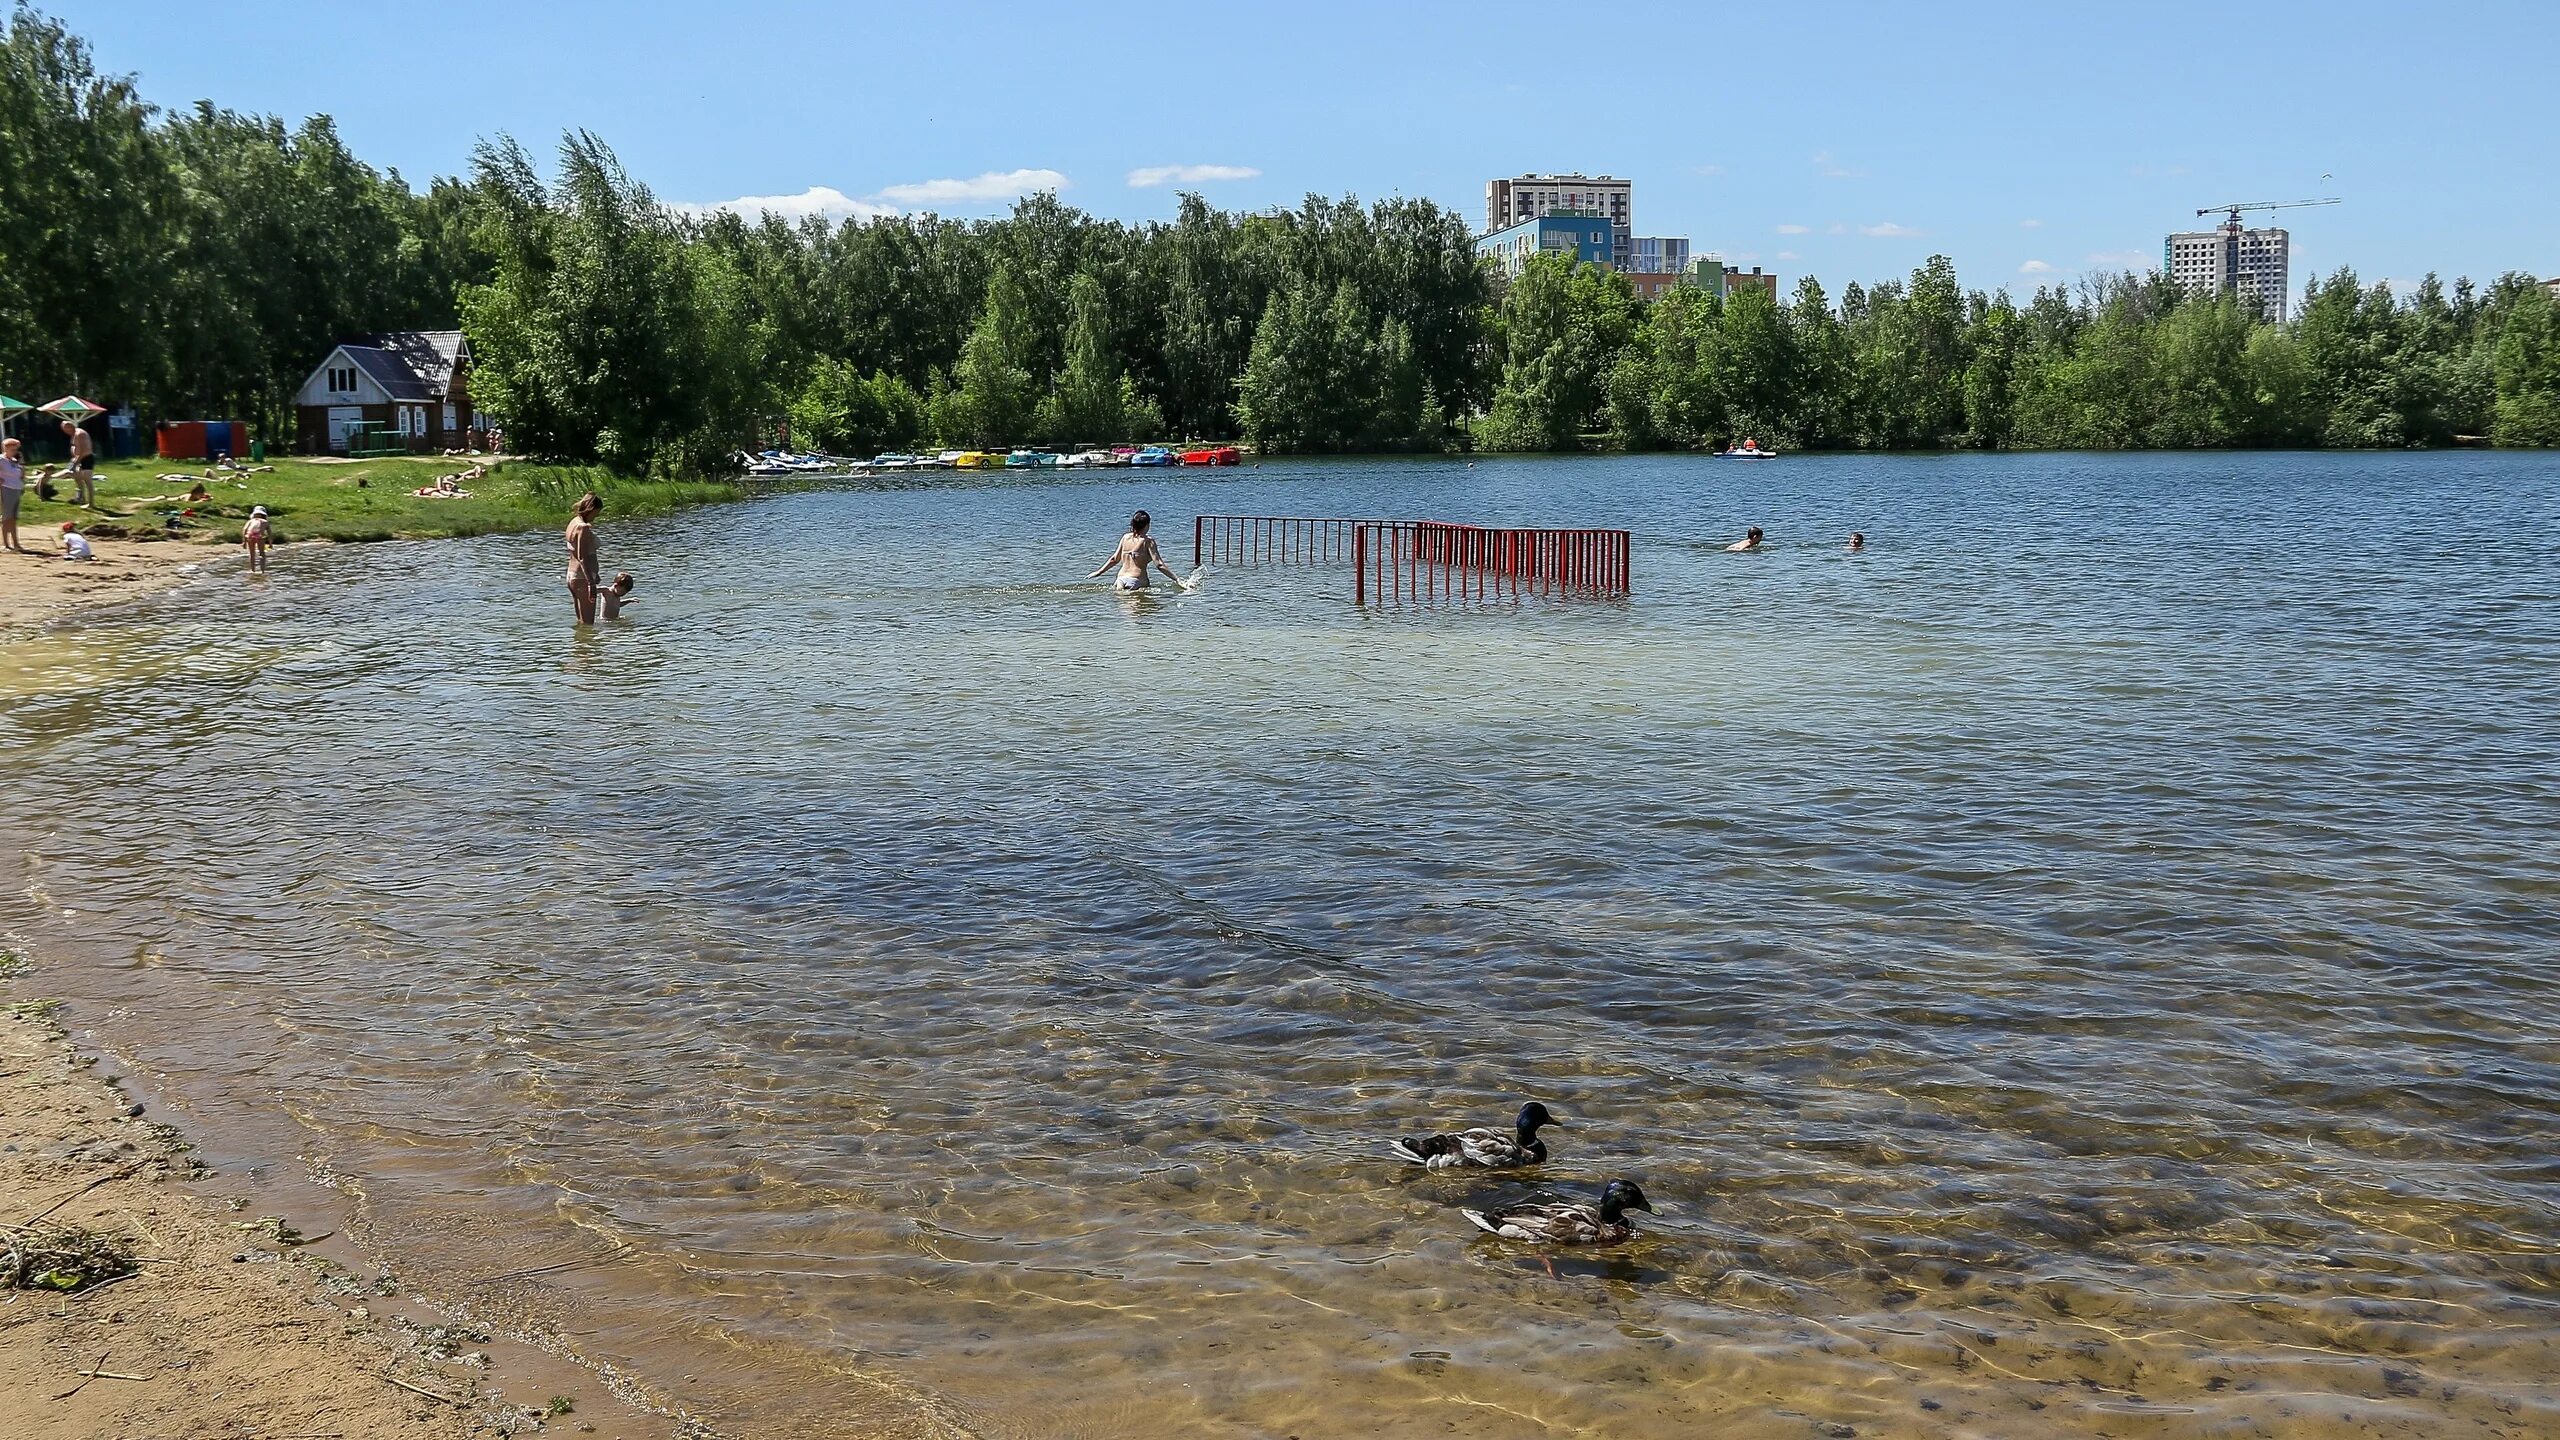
201 262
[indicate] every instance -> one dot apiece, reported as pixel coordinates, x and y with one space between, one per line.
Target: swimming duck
1484 1148
1567 1222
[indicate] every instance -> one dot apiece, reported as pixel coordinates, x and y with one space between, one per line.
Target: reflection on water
2081 965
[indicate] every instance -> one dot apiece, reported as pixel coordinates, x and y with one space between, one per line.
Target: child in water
253 538
612 596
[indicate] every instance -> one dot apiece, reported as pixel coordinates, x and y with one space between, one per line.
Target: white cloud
2125 258
2035 267
821 200
1789 255
1889 231
1795 229
993 185
1830 171
1835 228
2030 224
1710 171
1187 174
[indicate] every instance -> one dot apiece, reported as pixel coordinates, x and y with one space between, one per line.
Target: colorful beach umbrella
72 407
11 408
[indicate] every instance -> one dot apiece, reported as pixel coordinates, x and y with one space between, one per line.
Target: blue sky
2029 142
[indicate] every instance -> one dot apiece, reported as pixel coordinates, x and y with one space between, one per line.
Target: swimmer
614 596
1747 542
1857 540
1135 552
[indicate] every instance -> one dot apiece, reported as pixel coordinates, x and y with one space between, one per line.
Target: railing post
1359 565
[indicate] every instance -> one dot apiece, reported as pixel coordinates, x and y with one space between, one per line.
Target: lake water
2083 966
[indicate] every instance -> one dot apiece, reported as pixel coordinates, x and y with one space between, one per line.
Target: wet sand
37 587
225 1328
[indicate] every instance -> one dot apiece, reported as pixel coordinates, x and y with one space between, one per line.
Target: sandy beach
37 587
231 1322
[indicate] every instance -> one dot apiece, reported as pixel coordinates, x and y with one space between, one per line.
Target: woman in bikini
1136 551
581 540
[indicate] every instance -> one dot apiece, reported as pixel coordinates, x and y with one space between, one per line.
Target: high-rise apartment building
1527 197
2256 265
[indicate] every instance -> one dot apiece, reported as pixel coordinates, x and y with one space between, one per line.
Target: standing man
84 464
13 488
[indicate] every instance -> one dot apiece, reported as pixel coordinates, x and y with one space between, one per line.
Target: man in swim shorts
84 464
1747 542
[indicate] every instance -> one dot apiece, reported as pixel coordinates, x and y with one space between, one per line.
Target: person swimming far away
1135 552
1750 541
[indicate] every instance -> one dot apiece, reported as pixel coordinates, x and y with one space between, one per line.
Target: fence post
1359 564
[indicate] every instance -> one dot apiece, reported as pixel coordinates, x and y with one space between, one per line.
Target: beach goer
253 538
13 488
614 596
1747 542
1857 540
1135 552
75 546
84 465
582 540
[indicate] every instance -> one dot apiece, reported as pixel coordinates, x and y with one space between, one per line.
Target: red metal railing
1428 560
1269 539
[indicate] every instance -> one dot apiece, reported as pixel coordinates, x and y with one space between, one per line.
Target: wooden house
416 384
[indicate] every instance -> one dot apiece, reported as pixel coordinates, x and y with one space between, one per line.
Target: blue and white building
1588 237
1658 255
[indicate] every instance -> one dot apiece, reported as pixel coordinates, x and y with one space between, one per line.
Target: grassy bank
351 500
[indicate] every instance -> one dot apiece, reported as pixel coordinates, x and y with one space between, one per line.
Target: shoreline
38 589
243 1308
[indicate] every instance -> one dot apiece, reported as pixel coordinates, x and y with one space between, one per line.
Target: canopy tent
11 408
72 407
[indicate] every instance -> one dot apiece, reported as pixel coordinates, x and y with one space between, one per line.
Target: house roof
430 354
391 371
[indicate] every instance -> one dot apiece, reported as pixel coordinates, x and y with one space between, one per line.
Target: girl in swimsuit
581 540
1136 551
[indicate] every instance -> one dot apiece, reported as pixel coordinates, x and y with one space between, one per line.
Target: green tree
2526 371
1565 323
997 397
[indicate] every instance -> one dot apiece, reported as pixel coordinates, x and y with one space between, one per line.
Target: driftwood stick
83 1190
418 1389
85 1377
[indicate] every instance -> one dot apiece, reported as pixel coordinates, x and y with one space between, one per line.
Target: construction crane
2235 209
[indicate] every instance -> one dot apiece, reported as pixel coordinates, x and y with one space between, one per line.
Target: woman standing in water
1136 551
581 540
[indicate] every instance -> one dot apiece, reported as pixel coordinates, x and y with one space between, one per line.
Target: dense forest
200 262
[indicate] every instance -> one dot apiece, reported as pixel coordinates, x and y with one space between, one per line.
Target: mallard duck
1484 1148
1567 1222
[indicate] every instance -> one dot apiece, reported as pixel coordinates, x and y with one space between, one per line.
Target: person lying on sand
75 546
447 487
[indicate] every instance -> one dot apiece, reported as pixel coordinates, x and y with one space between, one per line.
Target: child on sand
253 538
75 546
612 596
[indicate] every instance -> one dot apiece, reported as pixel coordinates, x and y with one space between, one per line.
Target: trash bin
257 452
